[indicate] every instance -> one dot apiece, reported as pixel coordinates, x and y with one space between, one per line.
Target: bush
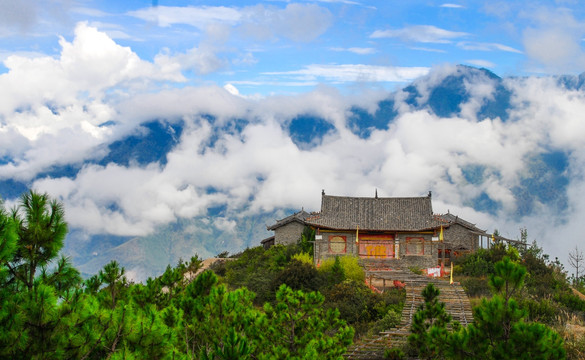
298 276
570 300
350 265
303 257
544 311
394 354
389 321
477 266
257 269
416 270
476 287
354 300
360 307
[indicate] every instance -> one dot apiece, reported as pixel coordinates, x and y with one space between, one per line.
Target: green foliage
112 275
476 287
416 270
499 330
365 310
354 300
298 276
394 354
325 335
307 240
348 266
481 262
257 269
303 257
41 229
47 312
545 311
429 326
389 321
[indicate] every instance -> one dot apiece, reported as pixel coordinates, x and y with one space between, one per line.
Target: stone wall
460 236
324 250
289 233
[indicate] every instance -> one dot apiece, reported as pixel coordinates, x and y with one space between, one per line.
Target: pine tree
429 325
298 327
499 330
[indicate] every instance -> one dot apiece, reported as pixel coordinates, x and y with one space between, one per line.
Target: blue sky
272 47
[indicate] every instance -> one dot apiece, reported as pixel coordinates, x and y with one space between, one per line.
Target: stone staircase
456 303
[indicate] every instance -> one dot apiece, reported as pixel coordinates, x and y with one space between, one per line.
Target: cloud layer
240 154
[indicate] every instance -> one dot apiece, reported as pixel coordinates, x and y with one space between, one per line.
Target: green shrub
477 266
544 311
303 257
389 321
354 300
394 354
416 270
476 287
350 265
363 309
570 300
298 276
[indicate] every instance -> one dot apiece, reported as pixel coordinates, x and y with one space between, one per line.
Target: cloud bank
244 155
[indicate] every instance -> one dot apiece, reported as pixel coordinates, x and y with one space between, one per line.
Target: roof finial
376 193
430 193
322 192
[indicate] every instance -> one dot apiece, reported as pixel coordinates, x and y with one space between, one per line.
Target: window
337 244
415 246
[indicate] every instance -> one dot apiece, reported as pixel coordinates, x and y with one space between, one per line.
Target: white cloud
21 14
481 63
554 42
91 64
419 48
89 12
57 104
355 72
355 50
199 17
452 6
420 33
231 89
478 46
297 22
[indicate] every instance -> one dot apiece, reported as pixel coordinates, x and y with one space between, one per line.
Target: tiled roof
299 217
268 239
452 219
381 214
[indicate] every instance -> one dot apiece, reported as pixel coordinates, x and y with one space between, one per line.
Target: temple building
394 231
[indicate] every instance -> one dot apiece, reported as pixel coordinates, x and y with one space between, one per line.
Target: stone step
456 304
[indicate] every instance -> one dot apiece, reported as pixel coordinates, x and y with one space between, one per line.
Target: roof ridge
379 197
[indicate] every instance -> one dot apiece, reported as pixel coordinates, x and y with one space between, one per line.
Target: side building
461 237
288 230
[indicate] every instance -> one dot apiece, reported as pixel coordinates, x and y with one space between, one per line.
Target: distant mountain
546 179
544 183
